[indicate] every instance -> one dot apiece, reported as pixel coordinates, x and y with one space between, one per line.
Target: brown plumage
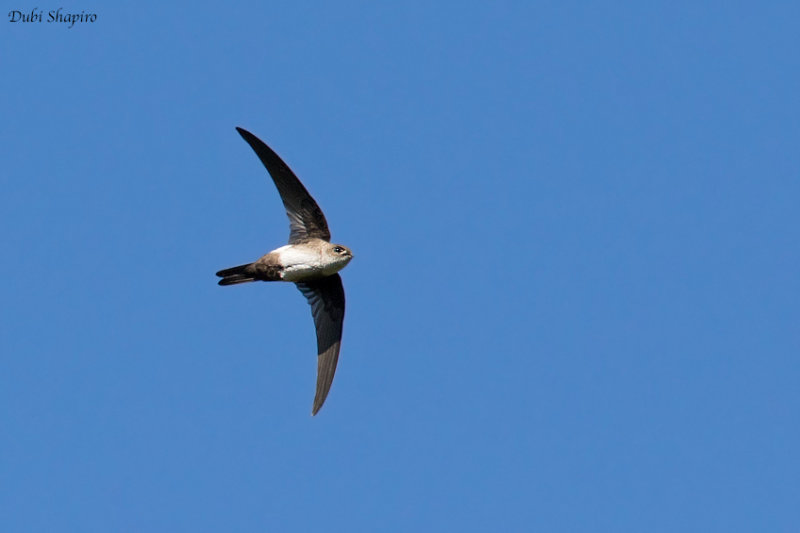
310 260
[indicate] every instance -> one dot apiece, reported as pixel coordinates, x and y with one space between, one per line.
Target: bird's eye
338 249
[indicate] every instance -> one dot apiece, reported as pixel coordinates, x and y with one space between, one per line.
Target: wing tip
323 388
319 401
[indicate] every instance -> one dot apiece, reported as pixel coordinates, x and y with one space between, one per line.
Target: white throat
304 262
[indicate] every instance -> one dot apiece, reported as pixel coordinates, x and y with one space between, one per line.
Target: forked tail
237 274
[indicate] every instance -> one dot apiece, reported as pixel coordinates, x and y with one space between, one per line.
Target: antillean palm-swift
310 261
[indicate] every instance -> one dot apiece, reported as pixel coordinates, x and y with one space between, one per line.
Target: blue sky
574 302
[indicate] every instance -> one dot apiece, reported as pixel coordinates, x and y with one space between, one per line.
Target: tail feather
237 274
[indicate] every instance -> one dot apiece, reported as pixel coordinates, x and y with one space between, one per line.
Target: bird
309 260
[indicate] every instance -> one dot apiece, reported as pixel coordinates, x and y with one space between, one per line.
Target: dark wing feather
326 297
306 220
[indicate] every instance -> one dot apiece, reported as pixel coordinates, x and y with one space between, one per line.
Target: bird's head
338 255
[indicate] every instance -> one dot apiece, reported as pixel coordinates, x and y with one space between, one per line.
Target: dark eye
338 249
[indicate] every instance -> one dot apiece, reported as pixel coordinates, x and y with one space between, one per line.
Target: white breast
299 262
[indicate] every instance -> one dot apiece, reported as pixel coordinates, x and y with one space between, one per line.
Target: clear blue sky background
574 302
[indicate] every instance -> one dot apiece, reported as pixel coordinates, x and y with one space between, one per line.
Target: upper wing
305 217
326 297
